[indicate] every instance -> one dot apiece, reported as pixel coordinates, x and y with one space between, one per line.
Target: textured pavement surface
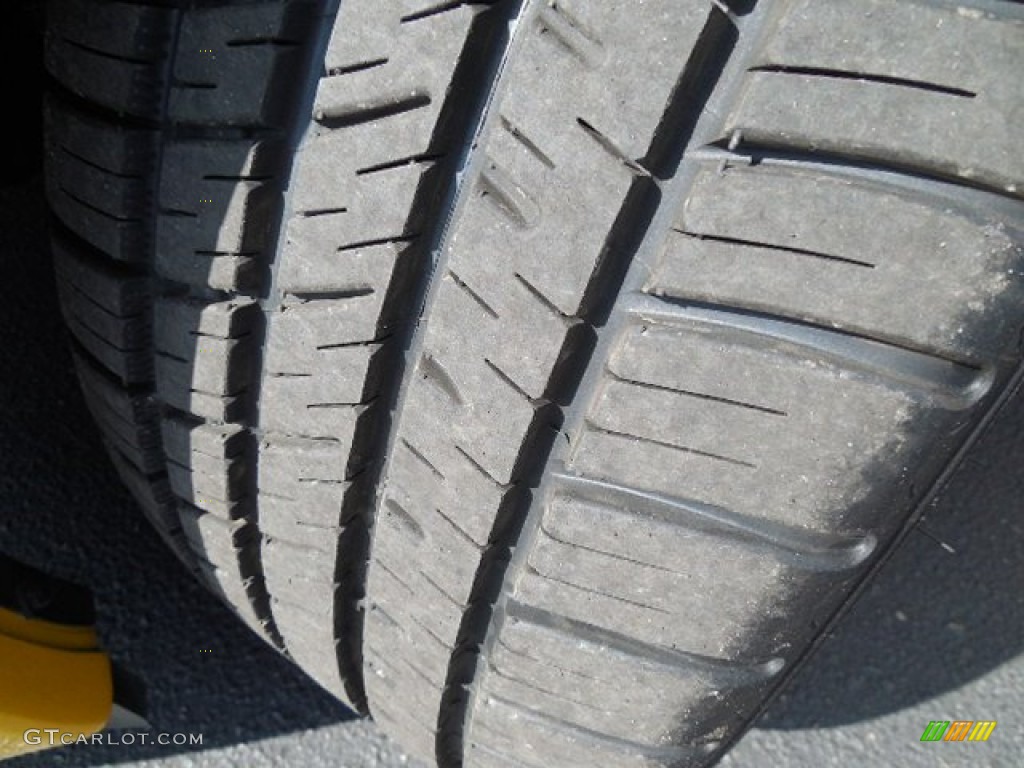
938 636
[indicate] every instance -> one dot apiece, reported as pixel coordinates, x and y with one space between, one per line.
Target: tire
543 379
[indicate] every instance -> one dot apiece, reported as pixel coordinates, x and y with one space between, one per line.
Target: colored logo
958 730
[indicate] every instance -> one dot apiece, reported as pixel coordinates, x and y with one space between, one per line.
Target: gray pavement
938 635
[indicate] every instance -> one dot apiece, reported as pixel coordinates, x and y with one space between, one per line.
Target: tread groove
353 68
510 382
85 161
698 395
530 569
667 755
432 370
473 295
800 548
725 152
480 468
842 74
105 54
530 145
774 247
350 116
953 384
421 458
612 148
681 448
724 672
96 209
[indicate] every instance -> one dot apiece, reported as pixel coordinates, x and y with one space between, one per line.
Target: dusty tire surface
543 378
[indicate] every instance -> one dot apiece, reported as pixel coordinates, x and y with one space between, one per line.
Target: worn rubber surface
542 377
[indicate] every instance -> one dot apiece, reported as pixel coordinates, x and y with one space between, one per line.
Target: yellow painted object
55 684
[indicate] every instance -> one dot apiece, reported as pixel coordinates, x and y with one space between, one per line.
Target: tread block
686 421
208 243
215 198
122 404
287 463
326 378
129 333
105 309
237 591
580 190
223 320
318 366
779 240
204 354
206 461
437 614
924 105
657 594
300 575
123 151
111 53
302 484
130 421
414 476
323 324
306 270
126 239
540 741
369 208
232 68
119 197
548 668
122 294
421 649
329 421
130 363
311 644
485 443
448 556
831 469
225 543
154 496
310 518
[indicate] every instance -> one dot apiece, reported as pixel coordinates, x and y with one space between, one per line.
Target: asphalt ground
938 636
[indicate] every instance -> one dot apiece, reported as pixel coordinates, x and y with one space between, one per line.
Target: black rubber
621 342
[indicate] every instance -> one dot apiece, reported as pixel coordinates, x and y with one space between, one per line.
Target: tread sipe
542 377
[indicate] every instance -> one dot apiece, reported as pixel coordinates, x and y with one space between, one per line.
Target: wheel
542 378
